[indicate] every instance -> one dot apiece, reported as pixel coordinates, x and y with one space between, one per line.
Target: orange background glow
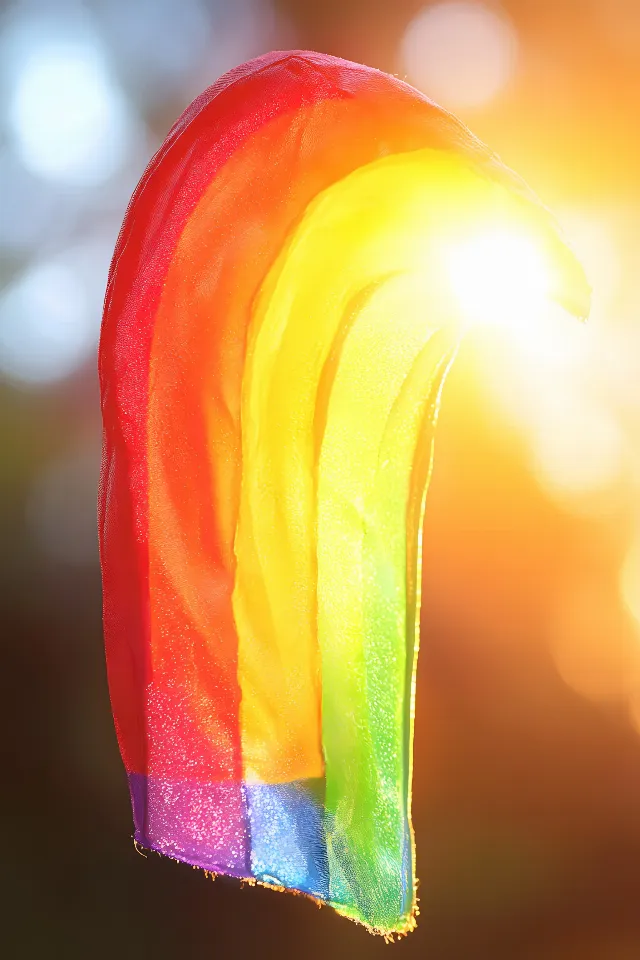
527 767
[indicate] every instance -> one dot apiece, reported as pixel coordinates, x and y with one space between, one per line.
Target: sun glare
499 276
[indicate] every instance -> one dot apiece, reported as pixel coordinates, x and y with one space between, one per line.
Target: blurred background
527 793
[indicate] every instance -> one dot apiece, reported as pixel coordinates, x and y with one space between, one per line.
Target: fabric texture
275 338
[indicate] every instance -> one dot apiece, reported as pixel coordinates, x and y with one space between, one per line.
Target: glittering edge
411 922
389 935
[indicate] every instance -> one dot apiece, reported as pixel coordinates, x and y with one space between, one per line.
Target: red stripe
215 126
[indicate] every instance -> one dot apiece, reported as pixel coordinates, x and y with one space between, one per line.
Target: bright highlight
499 276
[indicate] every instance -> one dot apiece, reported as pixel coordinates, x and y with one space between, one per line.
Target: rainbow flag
276 333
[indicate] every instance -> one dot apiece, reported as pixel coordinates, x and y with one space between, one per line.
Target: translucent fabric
276 333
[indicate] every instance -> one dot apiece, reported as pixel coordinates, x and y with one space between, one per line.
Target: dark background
527 754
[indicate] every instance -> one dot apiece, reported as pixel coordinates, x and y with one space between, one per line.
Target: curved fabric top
267 444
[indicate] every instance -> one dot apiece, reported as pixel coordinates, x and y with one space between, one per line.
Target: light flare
499 276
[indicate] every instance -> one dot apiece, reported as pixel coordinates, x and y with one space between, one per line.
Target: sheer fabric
275 338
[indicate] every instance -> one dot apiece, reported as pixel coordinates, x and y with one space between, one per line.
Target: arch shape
276 334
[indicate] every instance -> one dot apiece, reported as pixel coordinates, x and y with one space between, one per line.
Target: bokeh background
527 793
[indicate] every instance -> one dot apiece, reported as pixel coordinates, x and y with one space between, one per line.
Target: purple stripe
199 823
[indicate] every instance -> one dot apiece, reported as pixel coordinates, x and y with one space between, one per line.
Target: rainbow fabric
276 334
